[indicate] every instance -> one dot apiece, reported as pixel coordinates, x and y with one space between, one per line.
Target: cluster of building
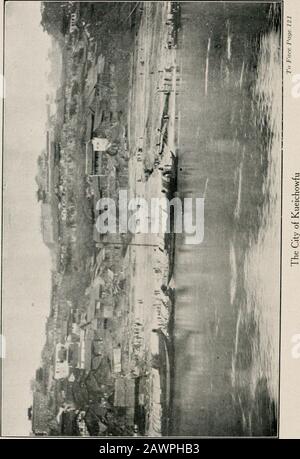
97 373
83 363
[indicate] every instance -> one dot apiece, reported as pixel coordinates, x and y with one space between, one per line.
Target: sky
26 260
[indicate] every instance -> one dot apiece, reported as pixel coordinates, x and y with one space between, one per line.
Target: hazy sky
26 278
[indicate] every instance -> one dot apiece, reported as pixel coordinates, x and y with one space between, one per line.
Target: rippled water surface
227 308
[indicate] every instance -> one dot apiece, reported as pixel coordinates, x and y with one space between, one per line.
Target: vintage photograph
141 235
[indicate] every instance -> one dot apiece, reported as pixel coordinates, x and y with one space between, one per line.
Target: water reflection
227 308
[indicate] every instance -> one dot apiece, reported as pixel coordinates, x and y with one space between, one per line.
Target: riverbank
152 169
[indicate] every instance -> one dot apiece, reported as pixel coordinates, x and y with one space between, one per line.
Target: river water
227 311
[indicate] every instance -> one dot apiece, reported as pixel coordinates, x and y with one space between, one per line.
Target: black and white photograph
141 218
